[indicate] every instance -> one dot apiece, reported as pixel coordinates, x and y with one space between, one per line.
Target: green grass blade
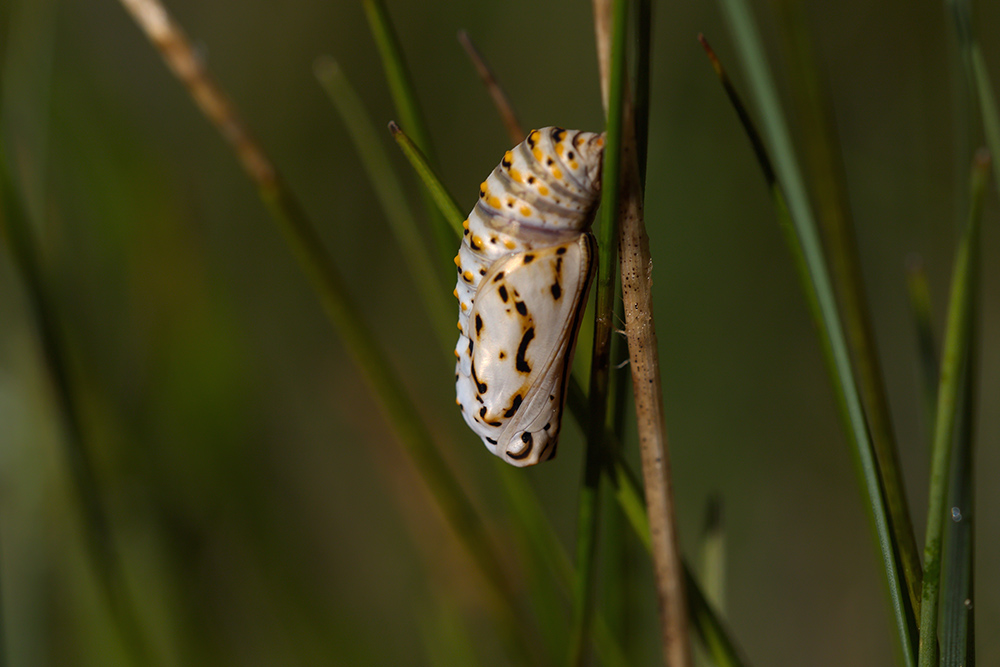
979 78
957 646
589 502
17 233
816 283
404 97
920 305
713 555
954 366
442 199
368 143
820 145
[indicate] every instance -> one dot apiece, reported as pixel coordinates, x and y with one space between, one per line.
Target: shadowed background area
264 510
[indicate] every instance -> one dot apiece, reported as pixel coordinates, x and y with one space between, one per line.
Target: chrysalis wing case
524 270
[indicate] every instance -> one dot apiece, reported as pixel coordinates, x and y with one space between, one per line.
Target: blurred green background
264 510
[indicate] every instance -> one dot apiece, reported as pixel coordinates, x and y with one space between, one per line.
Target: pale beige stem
644 358
637 295
602 29
176 50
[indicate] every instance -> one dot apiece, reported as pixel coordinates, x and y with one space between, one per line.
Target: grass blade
367 142
821 149
404 97
444 201
920 305
954 367
800 228
713 555
979 78
957 646
17 233
500 100
322 273
589 501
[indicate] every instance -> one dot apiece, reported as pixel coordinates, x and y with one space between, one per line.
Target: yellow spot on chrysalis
515 176
557 172
542 190
525 211
508 157
573 164
534 135
600 141
494 202
458 261
537 152
476 241
465 224
455 292
460 327
468 276
465 307
509 244
457 355
559 149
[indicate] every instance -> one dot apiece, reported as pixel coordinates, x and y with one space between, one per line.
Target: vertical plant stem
404 97
641 333
500 100
821 143
954 366
814 276
957 607
322 273
588 508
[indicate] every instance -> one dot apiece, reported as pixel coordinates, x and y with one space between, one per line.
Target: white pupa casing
524 271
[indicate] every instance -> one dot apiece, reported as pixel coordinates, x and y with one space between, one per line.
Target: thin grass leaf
589 502
821 149
954 367
920 306
957 609
382 176
16 231
816 283
713 554
979 78
500 100
346 317
444 201
404 97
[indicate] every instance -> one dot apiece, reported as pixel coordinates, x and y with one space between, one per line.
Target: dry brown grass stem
640 330
176 50
506 110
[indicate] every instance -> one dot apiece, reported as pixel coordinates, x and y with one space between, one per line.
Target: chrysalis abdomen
524 271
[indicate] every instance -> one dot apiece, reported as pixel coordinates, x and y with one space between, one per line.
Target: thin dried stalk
637 281
304 241
500 99
636 273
